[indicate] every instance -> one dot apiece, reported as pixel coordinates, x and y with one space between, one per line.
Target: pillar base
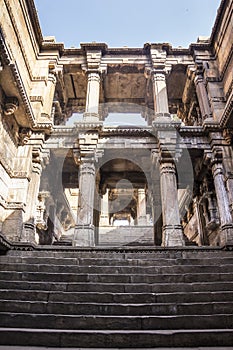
173 236
90 117
226 235
84 236
142 221
104 220
29 232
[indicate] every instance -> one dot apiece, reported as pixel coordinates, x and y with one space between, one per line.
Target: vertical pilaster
172 229
50 90
226 234
84 230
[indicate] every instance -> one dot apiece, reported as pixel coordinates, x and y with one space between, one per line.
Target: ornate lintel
87 164
167 156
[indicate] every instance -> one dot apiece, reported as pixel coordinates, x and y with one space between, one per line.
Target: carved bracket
10 106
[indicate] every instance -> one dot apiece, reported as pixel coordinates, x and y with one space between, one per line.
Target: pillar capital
93 75
217 169
160 71
167 167
87 166
157 73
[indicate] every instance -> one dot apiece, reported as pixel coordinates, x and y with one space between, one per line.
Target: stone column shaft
92 98
230 190
104 217
199 222
172 229
141 207
84 230
202 96
32 197
160 92
226 235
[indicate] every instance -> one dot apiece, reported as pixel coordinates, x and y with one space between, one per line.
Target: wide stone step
118 287
116 278
101 297
92 269
116 308
118 338
115 262
115 253
94 322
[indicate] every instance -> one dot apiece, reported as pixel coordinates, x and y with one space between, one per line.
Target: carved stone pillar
29 229
92 98
141 211
160 91
229 183
226 234
172 229
104 217
202 95
84 230
196 207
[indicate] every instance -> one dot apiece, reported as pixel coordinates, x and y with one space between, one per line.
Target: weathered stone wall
222 43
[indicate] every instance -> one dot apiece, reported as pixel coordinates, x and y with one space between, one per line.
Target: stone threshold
5 347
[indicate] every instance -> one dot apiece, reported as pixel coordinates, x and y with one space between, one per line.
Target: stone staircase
116 298
126 235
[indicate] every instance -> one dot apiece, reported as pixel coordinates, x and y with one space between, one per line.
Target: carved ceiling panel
125 86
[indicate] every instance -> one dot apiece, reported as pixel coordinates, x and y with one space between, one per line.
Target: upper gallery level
50 83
